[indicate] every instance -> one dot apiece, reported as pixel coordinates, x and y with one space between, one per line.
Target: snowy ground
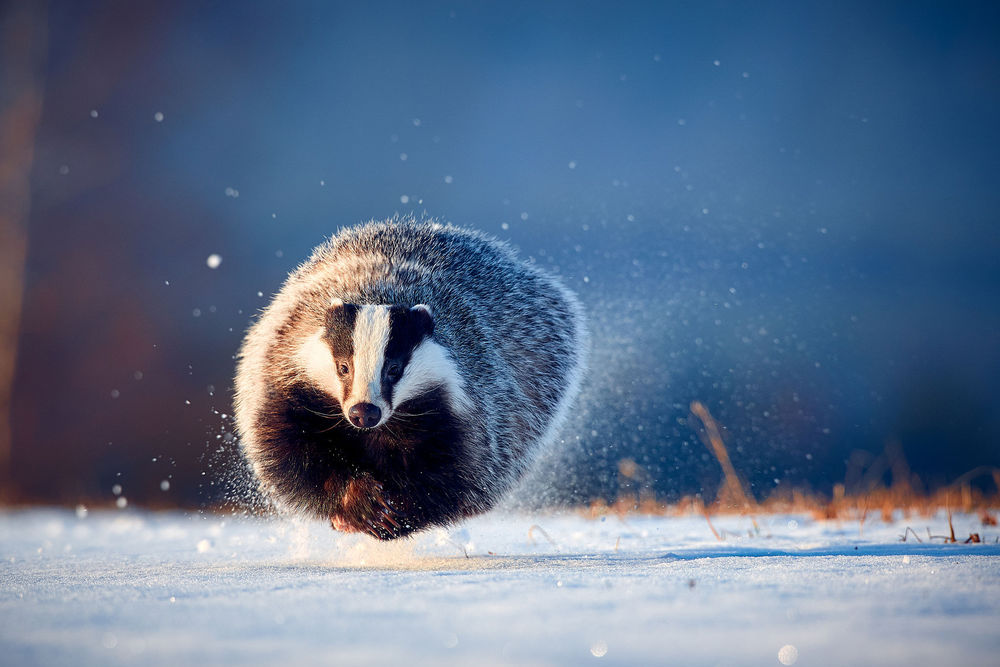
169 588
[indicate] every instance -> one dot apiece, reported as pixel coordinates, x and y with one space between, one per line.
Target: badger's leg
366 510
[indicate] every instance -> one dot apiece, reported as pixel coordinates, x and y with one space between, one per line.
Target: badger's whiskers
325 415
406 415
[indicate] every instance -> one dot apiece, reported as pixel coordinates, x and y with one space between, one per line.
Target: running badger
406 376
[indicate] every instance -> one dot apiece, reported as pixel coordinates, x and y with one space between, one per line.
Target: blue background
785 210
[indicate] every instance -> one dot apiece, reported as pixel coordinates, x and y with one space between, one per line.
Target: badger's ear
422 315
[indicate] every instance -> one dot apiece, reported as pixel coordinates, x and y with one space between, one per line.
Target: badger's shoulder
433 248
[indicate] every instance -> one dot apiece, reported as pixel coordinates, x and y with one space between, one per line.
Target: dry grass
861 496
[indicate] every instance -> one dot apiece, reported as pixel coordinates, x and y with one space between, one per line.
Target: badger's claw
383 525
387 518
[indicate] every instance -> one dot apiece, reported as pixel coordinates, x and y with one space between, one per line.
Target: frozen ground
135 587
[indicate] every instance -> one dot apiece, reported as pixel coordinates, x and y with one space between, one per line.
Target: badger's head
374 358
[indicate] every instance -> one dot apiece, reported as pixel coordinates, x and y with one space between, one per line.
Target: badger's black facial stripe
407 328
340 330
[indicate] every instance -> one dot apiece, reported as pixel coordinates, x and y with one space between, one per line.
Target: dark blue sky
785 210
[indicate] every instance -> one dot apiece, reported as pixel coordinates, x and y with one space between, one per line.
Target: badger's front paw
365 509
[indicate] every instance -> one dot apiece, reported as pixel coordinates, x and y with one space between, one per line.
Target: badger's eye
393 370
343 369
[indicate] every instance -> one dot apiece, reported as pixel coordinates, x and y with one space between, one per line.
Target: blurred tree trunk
23 47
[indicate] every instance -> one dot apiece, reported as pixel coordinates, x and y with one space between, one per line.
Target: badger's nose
364 415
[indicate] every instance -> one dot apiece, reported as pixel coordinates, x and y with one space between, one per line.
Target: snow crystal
213 261
115 393
404 199
121 502
93 113
572 164
165 485
788 654
403 157
599 649
448 180
158 117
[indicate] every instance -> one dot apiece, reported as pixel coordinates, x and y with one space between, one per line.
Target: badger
405 376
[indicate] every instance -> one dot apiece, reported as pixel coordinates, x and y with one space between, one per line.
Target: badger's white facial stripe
371 334
316 359
431 365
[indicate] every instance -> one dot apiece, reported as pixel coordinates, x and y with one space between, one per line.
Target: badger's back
515 334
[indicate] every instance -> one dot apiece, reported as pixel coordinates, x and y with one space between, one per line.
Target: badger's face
373 358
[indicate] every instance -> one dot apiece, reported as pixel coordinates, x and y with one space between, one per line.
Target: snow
111 587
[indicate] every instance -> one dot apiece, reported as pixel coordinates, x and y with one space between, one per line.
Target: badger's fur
406 375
